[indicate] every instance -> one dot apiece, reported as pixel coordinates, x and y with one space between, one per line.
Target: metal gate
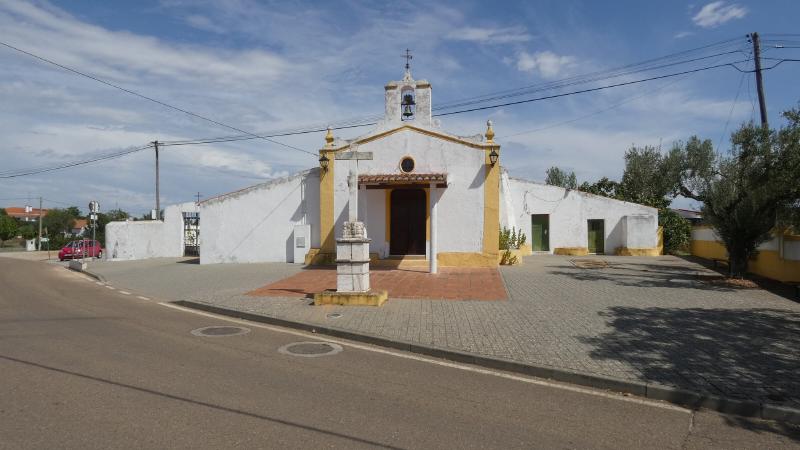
191 234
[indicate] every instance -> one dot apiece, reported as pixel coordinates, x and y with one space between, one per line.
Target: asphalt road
86 366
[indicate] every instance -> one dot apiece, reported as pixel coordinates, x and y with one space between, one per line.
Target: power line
26 172
167 105
583 91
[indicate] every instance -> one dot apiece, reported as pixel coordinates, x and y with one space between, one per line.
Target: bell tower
408 100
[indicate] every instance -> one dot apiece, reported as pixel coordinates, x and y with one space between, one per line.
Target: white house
424 192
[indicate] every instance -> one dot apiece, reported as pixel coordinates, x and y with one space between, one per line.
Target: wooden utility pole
762 102
158 196
39 244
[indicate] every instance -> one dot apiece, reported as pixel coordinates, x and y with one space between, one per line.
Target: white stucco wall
144 239
460 204
256 224
569 212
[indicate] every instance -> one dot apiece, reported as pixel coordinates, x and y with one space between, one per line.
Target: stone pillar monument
352 252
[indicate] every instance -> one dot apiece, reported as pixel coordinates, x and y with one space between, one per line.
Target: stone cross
352 181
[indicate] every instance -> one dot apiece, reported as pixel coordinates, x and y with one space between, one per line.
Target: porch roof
403 179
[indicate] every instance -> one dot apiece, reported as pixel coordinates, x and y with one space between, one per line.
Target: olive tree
748 194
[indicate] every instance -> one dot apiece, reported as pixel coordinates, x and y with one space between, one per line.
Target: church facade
423 194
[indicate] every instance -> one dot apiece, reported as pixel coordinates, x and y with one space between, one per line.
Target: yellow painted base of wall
466 259
397 263
315 257
571 251
372 298
709 250
767 263
526 250
625 251
519 253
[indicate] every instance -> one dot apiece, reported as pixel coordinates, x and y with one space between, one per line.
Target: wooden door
407 222
596 235
540 232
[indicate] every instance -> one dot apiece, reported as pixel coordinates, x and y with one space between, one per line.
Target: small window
407 165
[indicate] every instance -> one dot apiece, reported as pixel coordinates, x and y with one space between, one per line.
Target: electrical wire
167 105
35 171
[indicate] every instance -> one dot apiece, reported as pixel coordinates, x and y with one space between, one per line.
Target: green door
540 232
596 236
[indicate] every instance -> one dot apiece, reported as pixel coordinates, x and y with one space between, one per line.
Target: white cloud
505 35
204 23
546 63
716 13
683 34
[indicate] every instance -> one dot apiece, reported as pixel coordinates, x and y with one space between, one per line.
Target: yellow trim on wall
491 205
625 251
466 259
326 211
767 263
571 251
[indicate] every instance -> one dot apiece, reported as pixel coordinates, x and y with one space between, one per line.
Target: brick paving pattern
414 283
645 319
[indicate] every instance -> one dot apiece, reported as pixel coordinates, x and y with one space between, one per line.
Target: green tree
750 193
8 228
103 219
59 220
3 212
603 186
74 211
558 177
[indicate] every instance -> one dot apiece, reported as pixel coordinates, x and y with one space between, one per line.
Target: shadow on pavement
787 291
749 354
646 275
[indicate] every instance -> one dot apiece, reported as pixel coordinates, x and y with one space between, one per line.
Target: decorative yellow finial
329 138
489 131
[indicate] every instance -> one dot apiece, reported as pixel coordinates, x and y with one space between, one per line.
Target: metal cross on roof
408 58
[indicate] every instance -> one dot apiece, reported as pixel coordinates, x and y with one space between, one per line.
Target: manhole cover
220 331
310 349
334 315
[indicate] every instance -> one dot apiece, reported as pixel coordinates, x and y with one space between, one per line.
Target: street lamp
323 162
493 157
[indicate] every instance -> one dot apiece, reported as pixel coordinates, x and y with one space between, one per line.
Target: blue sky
263 66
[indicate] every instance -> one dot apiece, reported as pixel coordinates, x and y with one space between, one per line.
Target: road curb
93 275
654 391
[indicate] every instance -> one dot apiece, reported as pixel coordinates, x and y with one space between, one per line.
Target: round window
407 165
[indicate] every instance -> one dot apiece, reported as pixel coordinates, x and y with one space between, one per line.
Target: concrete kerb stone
91 274
681 397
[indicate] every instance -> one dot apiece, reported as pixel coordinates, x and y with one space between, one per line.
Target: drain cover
310 349
220 331
334 315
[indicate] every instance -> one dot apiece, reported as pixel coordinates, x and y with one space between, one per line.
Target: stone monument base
369 298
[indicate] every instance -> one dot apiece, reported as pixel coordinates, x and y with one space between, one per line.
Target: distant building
694 217
80 227
25 213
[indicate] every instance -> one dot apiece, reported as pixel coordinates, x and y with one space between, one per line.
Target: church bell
407 104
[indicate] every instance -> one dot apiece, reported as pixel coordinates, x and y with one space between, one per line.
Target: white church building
424 194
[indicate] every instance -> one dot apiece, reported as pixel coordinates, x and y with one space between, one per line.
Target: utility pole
39 243
158 197
762 102
198 197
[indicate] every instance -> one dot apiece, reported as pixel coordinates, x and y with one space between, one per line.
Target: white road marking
142 298
98 283
454 365
124 292
110 287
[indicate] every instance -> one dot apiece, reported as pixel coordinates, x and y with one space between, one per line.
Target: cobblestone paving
647 319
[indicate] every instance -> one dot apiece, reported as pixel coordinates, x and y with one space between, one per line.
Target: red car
75 249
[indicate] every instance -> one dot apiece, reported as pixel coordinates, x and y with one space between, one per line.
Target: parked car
75 249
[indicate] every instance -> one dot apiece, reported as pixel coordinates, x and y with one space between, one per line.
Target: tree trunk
737 263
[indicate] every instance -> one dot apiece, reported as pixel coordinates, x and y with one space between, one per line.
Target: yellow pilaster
326 215
491 198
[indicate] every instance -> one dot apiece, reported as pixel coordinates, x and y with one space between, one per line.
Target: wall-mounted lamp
323 162
493 157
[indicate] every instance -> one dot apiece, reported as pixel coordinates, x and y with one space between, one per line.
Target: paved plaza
653 319
412 283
